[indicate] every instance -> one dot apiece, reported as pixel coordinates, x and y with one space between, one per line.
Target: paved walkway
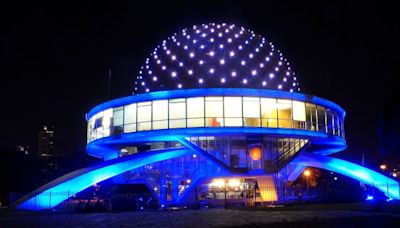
205 218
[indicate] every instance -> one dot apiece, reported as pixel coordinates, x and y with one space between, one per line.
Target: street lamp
307 173
383 167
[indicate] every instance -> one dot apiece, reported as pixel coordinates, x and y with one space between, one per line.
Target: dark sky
55 58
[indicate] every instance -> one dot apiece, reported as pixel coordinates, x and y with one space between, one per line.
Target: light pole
307 173
225 193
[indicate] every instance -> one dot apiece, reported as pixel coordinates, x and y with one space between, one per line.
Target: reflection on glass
284 113
233 111
195 112
177 113
160 114
251 111
214 112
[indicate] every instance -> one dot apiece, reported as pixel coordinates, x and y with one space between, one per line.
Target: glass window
337 124
251 111
144 116
311 117
195 112
233 111
107 118
299 114
177 113
269 112
118 120
321 118
130 118
118 116
214 112
329 121
98 125
284 113
160 114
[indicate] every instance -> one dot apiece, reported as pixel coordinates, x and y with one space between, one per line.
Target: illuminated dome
215 56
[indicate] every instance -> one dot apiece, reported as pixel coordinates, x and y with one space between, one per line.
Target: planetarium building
217 112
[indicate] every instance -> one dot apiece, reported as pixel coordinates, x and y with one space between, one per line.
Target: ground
276 217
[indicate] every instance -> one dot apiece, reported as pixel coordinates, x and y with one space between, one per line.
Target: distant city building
46 150
46 142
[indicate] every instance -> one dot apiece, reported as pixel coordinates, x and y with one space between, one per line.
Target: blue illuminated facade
189 134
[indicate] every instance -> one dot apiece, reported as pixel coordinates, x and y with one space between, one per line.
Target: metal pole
225 195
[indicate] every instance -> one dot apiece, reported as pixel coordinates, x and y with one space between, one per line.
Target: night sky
55 59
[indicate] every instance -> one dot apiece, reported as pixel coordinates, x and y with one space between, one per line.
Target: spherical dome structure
215 56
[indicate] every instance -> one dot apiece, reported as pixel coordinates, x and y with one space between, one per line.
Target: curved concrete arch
367 176
74 182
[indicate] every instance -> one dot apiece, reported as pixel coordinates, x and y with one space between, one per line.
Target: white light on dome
254 55
179 86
